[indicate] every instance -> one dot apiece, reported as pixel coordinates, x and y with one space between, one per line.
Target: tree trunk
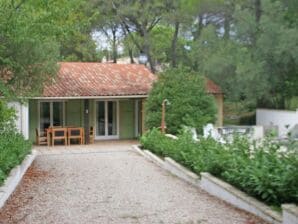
258 13
150 60
200 28
174 45
114 45
258 10
130 53
146 49
132 61
227 27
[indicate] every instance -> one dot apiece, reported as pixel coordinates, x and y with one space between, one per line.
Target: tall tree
30 35
137 17
258 62
108 24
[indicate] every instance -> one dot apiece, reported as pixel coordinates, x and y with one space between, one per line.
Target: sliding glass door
107 119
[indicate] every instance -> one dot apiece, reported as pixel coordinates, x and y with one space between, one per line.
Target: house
108 97
216 91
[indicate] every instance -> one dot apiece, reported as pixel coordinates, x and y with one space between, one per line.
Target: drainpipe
86 120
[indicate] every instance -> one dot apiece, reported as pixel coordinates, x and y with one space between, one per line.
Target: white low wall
289 214
22 120
279 118
14 178
237 198
225 191
180 171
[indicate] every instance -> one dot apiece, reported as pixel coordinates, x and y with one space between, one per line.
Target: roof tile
83 79
100 79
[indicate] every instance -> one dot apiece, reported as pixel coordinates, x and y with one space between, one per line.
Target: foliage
30 36
266 171
257 61
161 44
189 104
7 116
79 47
13 147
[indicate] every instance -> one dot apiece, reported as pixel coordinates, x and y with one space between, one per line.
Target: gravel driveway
110 184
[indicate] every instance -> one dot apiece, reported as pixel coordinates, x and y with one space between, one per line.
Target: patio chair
59 134
91 135
41 139
75 133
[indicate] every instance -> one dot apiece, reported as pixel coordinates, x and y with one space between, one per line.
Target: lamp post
163 115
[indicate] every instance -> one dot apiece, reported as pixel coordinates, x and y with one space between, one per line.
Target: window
51 114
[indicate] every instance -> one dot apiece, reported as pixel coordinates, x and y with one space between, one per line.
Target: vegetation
34 36
13 147
265 172
188 102
235 43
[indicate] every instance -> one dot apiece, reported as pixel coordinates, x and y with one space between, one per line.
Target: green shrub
264 172
13 146
190 105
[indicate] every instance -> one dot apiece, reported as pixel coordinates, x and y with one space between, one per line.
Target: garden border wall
15 177
289 214
224 191
230 194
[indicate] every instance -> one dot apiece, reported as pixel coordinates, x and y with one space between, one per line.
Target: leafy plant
190 105
13 146
267 171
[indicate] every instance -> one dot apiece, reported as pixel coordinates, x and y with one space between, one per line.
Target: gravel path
111 186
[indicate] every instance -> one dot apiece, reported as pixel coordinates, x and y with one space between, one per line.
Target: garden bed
14 178
225 191
264 172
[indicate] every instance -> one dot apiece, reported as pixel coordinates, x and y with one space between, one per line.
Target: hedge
13 150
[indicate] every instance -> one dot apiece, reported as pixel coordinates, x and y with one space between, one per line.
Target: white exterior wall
22 120
280 118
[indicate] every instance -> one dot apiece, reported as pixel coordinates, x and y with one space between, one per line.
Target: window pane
112 118
45 119
100 127
57 114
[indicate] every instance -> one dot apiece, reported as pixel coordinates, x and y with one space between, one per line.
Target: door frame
106 137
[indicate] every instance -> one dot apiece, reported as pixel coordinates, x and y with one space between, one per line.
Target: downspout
86 121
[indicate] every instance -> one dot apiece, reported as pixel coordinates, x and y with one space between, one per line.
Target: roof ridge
102 63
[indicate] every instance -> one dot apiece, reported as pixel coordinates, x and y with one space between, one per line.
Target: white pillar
22 117
25 120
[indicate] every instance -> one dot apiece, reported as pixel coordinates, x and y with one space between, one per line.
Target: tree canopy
34 36
248 47
188 102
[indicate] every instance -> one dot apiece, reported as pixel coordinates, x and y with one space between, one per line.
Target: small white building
283 120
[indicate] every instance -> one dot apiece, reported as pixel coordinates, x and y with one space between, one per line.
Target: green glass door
106 119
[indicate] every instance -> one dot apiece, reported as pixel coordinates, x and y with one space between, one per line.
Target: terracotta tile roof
84 79
77 79
212 87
